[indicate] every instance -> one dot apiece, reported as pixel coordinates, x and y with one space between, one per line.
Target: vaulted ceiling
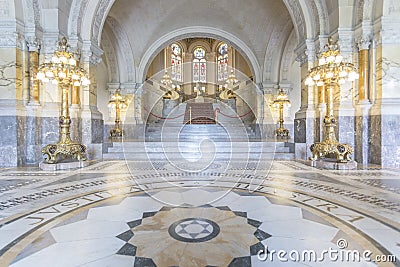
259 25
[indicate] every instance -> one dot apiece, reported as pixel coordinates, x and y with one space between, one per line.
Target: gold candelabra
280 103
330 73
63 71
118 102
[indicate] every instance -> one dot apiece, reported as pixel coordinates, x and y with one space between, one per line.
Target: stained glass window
222 62
176 62
199 65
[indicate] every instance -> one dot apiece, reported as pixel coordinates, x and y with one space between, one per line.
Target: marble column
75 112
321 111
211 73
385 112
92 120
362 119
50 94
12 110
187 73
33 107
304 123
344 101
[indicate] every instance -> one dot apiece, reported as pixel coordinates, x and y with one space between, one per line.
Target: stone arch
199 32
290 46
215 46
96 12
110 56
125 50
274 51
183 46
76 14
323 17
368 10
201 43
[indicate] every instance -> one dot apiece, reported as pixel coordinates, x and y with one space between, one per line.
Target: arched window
222 62
199 65
176 63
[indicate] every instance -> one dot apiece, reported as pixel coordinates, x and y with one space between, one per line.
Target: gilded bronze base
116 132
67 150
342 152
282 133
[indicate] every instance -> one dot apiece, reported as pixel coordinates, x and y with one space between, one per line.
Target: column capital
346 41
311 51
364 42
32 43
91 53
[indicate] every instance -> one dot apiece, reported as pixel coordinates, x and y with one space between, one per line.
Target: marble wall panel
301 151
50 130
8 130
390 125
384 140
8 156
97 131
266 131
94 151
362 139
21 140
33 140
300 130
346 130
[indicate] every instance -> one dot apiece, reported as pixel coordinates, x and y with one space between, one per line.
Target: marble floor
229 213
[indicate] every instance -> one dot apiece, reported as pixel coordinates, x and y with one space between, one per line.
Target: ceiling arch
197 32
227 20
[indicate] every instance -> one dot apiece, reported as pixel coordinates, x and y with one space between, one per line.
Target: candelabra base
63 165
282 133
331 164
331 149
116 132
66 150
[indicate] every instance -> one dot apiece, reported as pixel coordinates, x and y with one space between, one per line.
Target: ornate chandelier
331 72
331 68
64 71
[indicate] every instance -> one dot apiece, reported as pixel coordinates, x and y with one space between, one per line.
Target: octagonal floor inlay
193 230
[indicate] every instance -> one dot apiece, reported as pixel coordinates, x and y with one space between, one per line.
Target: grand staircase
199 113
177 139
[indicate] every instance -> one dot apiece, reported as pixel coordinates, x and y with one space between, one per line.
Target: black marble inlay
144 262
240 262
126 236
149 214
205 230
261 235
223 208
127 250
254 223
166 208
135 223
77 177
318 177
185 205
254 249
241 213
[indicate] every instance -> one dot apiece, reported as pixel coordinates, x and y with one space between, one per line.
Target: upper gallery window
176 62
222 62
199 65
